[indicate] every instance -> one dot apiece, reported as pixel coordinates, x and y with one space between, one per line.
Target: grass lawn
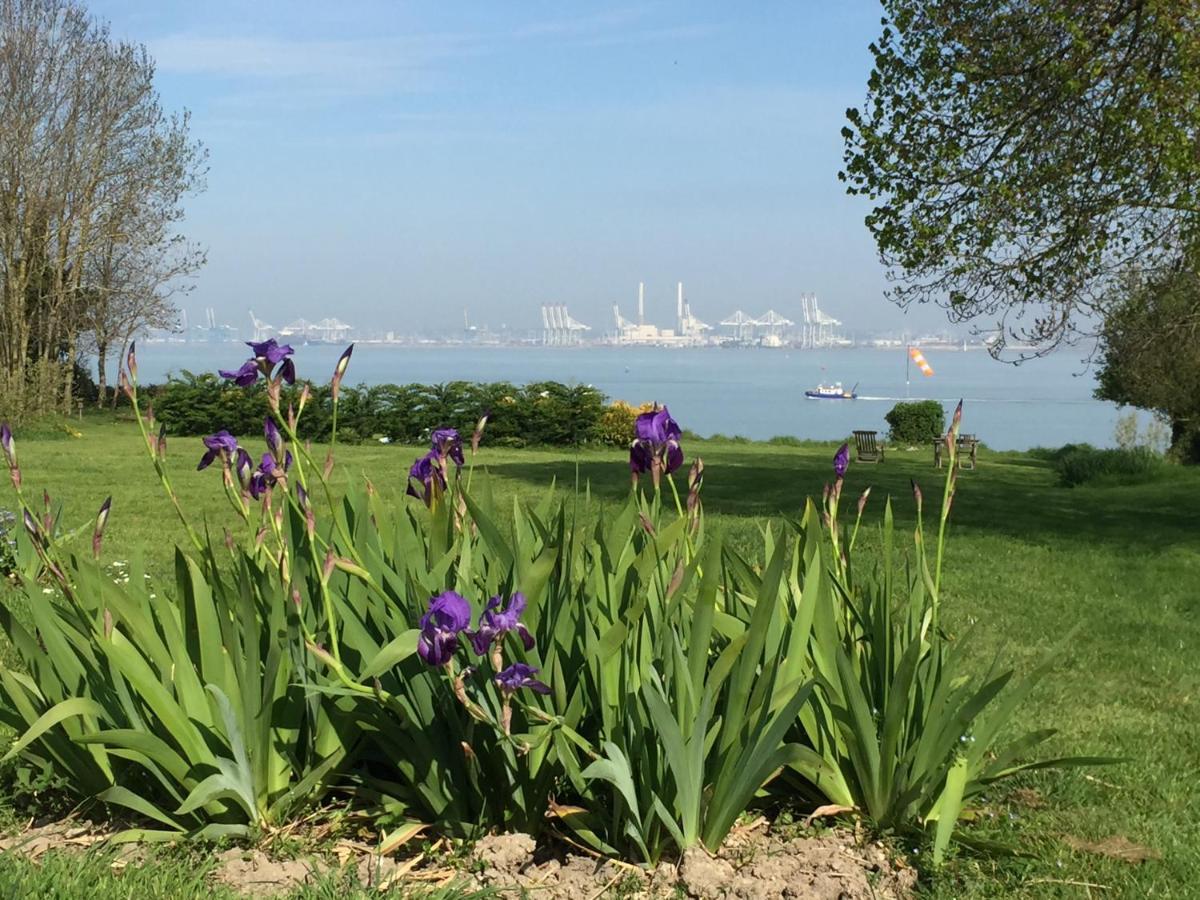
1027 562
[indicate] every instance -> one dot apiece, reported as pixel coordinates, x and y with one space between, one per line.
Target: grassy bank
1028 561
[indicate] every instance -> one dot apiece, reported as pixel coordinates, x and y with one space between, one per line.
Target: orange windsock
919 358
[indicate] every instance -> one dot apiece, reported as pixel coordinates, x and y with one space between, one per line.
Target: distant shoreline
956 347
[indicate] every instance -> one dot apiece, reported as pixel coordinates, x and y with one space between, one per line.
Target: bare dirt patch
69 834
833 866
755 863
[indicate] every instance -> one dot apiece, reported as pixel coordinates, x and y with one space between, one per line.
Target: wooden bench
868 448
967 451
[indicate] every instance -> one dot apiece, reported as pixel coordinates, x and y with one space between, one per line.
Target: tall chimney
641 303
679 307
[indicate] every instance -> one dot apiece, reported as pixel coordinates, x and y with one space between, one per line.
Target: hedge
538 413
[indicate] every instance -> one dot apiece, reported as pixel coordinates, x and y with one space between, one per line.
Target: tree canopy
1025 156
92 176
1150 351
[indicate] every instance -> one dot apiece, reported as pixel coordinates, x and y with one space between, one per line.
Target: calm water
756 393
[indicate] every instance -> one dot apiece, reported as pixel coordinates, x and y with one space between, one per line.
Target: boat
833 391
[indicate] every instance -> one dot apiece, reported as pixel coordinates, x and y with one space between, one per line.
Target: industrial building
688 330
302 331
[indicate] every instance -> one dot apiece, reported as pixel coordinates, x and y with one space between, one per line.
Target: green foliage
899 729
1087 465
1027 151
540 413
1150 351
70 874
188 708
916 422
790 440
8 542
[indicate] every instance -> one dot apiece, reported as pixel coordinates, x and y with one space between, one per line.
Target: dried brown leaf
1028 798
832 809
1115 847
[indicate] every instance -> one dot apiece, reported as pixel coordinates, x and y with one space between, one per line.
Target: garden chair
967 447
868 448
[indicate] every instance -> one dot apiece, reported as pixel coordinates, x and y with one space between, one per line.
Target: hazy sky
392 163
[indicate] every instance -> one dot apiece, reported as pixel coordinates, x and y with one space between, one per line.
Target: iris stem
333 427
160 468
947 493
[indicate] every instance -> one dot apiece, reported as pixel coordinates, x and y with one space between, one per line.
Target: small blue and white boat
833 391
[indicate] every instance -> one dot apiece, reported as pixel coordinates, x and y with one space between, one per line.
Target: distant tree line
541 413
93 173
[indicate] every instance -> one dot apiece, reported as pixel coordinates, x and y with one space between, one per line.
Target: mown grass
1028 561
172 874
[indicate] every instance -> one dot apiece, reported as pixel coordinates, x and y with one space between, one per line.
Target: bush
916 422
1054 454
616 428
541 413
1078 464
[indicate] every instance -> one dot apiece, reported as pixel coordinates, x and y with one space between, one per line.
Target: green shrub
916 422
1054 454
1083 464
541 413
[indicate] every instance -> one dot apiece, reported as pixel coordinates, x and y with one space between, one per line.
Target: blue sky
392 163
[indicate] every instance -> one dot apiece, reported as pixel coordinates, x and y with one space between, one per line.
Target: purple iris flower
518 676
268 473
448 615
270 351
243 377
841 461
244 467
274 438
657 427
448 445
427 473
288 372
221 444
267 354
656 446
6 442
494 623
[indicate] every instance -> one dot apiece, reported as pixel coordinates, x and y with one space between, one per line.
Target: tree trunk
101 376
68 383
1185 441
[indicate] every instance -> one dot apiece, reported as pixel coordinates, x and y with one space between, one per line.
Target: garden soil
754 864
833 866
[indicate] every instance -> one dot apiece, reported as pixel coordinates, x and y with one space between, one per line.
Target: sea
753 392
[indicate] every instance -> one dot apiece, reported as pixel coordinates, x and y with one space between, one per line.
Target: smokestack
641 303
679 306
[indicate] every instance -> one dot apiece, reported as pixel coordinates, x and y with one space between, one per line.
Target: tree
131 282
90 167
1150 351
1025 157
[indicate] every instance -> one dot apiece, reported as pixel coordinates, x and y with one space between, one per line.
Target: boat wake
974 399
